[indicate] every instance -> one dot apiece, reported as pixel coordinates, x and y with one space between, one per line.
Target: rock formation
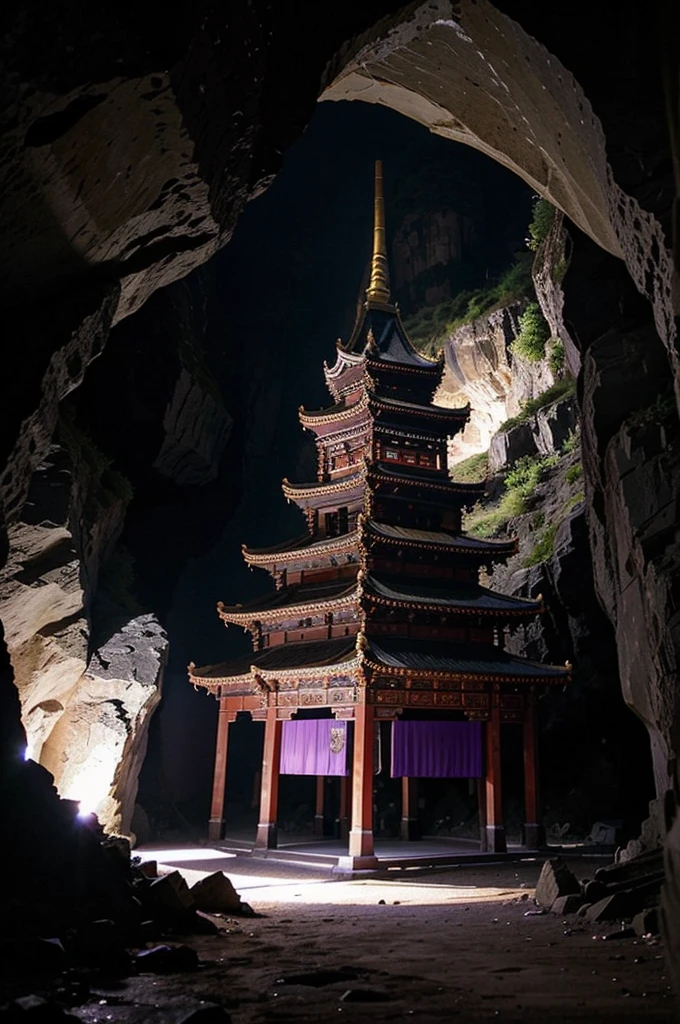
128 156
483 372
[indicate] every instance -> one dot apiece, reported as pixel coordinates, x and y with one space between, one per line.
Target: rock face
632 479
96 749
542 434
128 157
482 371
425 241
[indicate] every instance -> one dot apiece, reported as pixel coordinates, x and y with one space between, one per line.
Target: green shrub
541 223
429 327
527 472
543 548
571 443
520 483
574 473
533 334
556 358
471 470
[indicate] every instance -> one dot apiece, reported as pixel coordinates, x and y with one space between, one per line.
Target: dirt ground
442 946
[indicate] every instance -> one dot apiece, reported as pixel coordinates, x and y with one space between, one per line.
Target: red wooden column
269 798
361 854
495 829
216 823
534 834
408 828
318 811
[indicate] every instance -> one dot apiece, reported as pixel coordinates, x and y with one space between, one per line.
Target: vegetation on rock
520 485
471 470
430 326
533 334
556 392
541 223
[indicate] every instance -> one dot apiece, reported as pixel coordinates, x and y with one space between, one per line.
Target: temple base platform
388 854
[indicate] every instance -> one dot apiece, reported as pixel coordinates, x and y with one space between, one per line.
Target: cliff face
482 371
128 157
430 241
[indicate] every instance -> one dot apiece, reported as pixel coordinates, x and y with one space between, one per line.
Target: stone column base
215 829
267 836
351 865
361 843
495 839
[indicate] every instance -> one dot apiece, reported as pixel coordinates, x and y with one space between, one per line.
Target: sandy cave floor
444 945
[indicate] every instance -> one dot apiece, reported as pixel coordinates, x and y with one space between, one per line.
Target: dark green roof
459 659
448 594
312 654
389 342
414 478
438 538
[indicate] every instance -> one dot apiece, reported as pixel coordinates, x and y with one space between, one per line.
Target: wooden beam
495 828
266 838
533 833
216 823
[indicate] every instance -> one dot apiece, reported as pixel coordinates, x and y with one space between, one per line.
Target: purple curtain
436 750
316 746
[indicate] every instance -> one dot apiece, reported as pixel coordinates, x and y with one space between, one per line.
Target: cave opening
130 503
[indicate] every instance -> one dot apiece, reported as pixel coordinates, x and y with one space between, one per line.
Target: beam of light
27 753
171 856
91 784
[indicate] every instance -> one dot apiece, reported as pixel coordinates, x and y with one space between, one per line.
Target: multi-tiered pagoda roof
378 604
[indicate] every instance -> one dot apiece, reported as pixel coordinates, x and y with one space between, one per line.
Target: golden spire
379 286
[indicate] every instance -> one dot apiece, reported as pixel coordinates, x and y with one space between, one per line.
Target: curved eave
559 676
213 683
448 487
339 668
246 616
530 612
297 491
346 542
334 414
430 412
385 366
504 549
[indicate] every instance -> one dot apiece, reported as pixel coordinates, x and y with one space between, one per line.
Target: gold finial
379 286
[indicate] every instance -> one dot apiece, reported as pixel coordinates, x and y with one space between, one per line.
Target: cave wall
128 157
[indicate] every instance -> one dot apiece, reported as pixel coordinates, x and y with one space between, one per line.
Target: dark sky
287 287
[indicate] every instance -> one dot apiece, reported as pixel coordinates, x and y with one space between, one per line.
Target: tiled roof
448 594
457 659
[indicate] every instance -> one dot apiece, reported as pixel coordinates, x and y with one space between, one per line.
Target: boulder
617 907
170 892
567 904
647 922
215 894
554 881
508 446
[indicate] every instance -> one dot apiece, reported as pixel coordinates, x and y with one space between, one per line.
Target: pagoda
378 615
